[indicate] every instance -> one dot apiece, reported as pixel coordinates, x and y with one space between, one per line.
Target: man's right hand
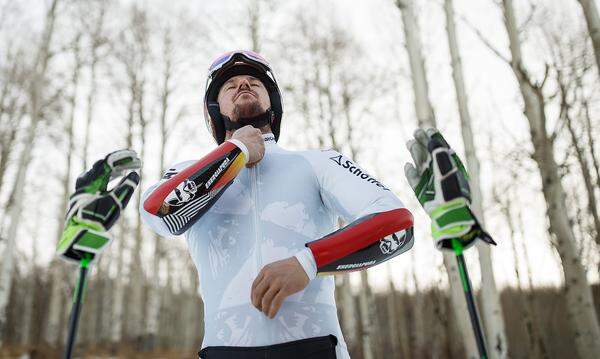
252 138
93 209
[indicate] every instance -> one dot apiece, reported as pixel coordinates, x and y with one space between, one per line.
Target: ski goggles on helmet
232 58
223 59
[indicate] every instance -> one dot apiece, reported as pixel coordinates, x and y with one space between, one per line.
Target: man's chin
247 109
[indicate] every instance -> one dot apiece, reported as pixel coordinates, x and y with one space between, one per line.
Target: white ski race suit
269 213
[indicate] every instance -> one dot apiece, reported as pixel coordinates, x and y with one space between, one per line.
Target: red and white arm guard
183 197
366 242
379 228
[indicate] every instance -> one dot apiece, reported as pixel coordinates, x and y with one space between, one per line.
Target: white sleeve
154 222
347 190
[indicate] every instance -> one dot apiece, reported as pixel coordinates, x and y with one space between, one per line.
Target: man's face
243 96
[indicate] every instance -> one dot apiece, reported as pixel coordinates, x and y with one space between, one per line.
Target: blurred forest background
513 85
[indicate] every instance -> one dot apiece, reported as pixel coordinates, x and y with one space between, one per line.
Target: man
259 222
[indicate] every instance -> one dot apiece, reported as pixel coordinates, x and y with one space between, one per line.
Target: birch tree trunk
29 301
154 296
423 108
365 318
593 24
418 328
254 17
403 301
537 329
349 311
117 323
426 117
98 327
137 274
490 298
97 41
580 304
118 297
134 57
14 204
58 275
66 180
392 315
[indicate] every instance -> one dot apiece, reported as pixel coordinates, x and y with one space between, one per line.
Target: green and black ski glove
93 209
441 185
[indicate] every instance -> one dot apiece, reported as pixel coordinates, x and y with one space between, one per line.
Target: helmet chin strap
257 121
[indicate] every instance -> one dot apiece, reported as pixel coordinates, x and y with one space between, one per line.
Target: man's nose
244 83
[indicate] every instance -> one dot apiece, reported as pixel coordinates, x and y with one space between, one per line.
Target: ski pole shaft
75 311
466 283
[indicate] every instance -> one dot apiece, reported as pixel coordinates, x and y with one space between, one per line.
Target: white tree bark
426 117
418 341
97 39
366 317
134 57
101 313
118 288
490 304
136 325
580 304
349 310
154 296
540 343
423 108
14 204
31 292
254 17
392 315
593 24
118 300
57 274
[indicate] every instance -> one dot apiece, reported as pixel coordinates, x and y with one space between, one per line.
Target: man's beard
247 110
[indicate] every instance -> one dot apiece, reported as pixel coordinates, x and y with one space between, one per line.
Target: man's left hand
275 282
441 184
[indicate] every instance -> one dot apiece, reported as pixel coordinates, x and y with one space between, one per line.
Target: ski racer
259 222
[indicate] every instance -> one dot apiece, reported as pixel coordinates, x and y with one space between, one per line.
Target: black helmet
228 65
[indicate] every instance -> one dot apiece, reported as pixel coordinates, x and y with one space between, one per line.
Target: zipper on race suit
257 232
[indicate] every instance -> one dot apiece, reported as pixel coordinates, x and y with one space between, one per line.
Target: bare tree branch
484 40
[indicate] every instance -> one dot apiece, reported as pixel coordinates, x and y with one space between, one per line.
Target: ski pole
76 309
466 283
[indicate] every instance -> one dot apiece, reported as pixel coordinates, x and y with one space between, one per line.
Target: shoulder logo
337 159
355 170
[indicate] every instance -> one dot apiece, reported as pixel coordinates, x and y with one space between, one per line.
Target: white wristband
241 146
308 263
